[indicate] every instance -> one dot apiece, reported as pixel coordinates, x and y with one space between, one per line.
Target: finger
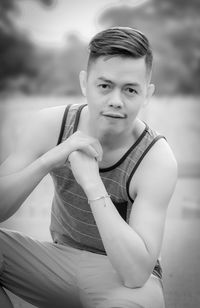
72 155
98 148
91 151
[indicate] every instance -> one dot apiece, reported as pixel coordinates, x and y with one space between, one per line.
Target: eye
130 91
104 86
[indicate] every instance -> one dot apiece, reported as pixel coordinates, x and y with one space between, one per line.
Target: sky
49 25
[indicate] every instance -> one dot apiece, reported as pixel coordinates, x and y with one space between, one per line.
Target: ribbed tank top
72 221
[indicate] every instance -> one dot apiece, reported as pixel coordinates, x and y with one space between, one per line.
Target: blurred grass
180 251
178 119
175 117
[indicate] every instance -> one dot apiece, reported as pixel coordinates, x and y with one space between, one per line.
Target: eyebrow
133 84
105 80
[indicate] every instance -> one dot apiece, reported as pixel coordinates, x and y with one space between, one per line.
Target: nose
115 99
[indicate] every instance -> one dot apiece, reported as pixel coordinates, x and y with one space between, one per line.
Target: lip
115 115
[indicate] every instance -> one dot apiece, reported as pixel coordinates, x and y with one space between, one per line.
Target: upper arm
153 186
38 134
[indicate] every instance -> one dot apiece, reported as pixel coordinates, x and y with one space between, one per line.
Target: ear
150 92
83 81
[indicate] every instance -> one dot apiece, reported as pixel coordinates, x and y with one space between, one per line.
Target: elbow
131 285
136 280
134 283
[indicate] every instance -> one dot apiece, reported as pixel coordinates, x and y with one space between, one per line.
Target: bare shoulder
43 128
162 156
39 133
49 121
158 170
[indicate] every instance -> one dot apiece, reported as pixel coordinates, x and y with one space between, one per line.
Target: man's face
116 89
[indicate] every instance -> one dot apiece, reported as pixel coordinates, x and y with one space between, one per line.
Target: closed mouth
114 115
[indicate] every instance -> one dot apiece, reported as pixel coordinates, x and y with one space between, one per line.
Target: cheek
136 104
133 110
91 95
93 105
94 99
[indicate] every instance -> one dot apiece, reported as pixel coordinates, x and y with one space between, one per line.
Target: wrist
45 164
90 201
95 190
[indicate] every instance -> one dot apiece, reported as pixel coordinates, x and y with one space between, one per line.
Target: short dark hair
122 42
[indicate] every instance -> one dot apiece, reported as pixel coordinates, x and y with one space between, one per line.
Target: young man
113 179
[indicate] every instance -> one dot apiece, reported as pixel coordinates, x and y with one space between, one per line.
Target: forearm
125 248
16 187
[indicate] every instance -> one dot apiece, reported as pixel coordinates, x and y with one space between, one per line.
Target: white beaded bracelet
98 198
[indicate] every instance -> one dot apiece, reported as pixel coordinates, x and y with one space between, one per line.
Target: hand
58 156
85 143
85 169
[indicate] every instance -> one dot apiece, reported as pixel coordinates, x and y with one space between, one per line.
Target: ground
180 251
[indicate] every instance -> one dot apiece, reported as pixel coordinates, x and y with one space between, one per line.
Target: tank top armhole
78 117
63 124
138 163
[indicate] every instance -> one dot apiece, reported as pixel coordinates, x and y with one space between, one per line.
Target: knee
120 304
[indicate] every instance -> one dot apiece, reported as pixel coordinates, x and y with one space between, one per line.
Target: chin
111 130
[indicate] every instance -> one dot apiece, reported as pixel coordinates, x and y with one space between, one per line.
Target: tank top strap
140 152
70 121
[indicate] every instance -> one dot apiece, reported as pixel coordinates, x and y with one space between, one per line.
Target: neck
110 140
115 140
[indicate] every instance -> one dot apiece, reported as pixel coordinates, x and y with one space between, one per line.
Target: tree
173 28
17 52
59 70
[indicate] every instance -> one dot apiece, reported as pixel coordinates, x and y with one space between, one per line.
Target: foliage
172 26
18 63
59 70
173 29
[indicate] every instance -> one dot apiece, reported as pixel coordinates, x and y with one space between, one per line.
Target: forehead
118 69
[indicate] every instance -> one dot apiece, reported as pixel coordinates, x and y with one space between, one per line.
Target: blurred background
43 47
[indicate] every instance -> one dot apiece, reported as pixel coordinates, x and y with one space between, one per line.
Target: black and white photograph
99 154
